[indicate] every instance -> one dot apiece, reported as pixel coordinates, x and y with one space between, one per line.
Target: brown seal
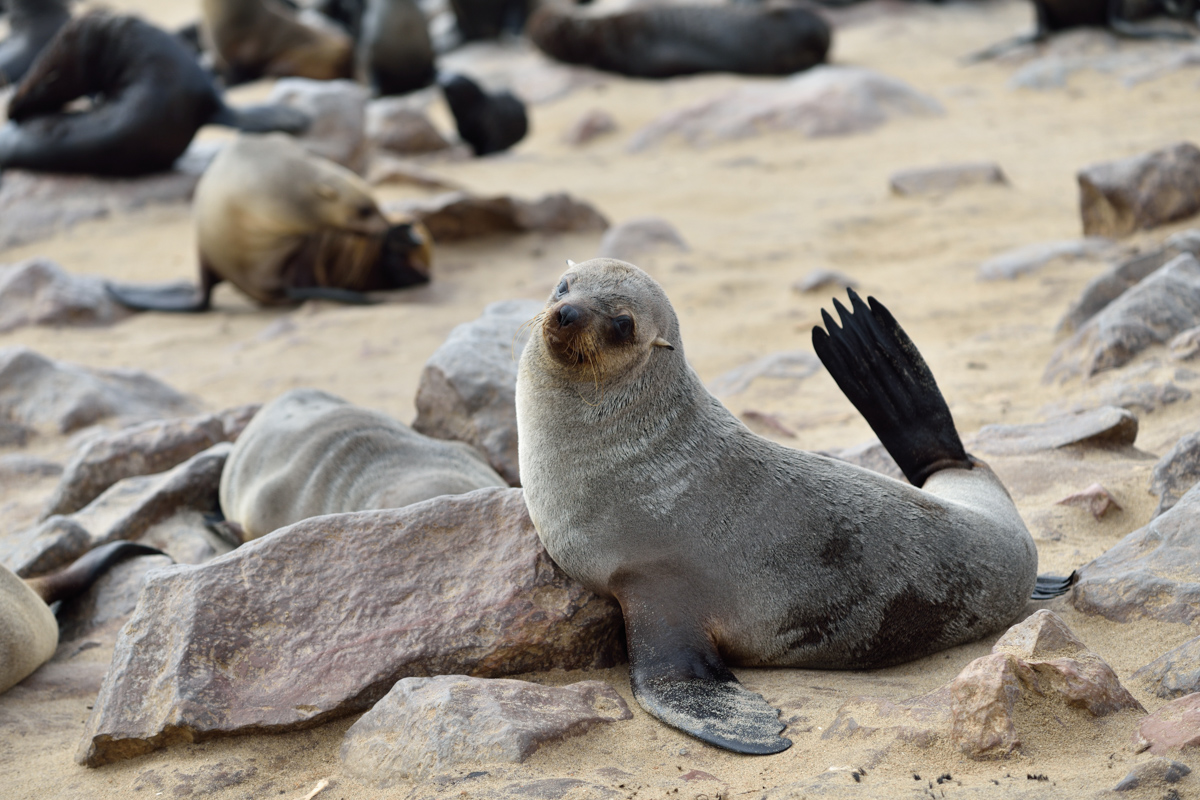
251 39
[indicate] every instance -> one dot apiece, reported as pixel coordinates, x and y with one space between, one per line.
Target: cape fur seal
251 39
28 629
725 548
393 51
283 226
489 123
669 40
149 99
309 453
31 24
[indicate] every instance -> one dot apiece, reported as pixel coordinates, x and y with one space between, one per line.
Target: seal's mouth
567 331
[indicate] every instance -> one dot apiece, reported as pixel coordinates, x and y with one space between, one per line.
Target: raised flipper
1051 586
347 296
263 119
179 297
678 676
879 370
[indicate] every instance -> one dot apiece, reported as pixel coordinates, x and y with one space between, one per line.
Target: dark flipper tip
1051 586
721 713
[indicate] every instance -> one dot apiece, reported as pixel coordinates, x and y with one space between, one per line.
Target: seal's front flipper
266 118
1051 586
347 296
678 676
180 297
879 370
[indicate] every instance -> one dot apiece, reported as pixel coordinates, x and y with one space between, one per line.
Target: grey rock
1156 772
1104 427
1144 395
947 178
140 450
784 365
428 726
1117 198
14 466
1153 572
100 611
589 127
186 538
823 101
39 292
1176 472
468 387
1186 345
456 216
870 455
338 110
39 393
51 544
640 236
1174 673
394 125
454 585
1031 258
36 205
1152 312
824 279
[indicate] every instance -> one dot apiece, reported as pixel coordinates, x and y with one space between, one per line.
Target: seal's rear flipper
263 119
678 676
181 297
1051 586
878 368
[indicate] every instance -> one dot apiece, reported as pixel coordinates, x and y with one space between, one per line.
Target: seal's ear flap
570 264
661 342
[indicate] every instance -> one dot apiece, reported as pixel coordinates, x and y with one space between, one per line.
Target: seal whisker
536 319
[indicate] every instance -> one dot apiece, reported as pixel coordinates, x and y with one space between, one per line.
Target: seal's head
605 319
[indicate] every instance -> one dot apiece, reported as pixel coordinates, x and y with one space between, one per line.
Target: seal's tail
879 370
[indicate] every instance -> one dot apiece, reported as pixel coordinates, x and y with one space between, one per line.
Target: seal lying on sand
28 629
725 548
150 99
31 24
284 225
308 453
252 39
489 123
669 40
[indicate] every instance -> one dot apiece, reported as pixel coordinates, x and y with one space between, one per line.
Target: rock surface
427 726
338 110
141 450
454 585
109 602
823 101
1095 499
40 393
456 216
1175 726
39 292
1117 198
1186 345
1153 572
1153 774
1176 472
1031 258
1105 427
639 236
468 387
1174 673
589 127
394 125
784 365
947 178
1152 312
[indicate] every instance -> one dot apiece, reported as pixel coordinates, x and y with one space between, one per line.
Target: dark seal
31 24
150 98
664 41
488 122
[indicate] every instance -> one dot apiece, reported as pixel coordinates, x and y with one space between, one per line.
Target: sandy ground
758 214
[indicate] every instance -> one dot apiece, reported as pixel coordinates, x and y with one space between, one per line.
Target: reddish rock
428 726
985 696
1095 499
1117 198
249 643
1175 726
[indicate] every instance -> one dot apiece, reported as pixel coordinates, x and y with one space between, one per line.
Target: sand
758 215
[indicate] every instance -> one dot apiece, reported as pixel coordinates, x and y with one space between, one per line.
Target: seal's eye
623 326
562 288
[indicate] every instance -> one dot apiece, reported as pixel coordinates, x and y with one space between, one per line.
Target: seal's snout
567 315
567 333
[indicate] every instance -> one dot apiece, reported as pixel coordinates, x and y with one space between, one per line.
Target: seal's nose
566 315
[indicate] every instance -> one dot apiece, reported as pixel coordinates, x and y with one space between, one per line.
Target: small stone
1186 345
40 292
428 726
640 236
1117 198
1157 771
784 365
823 279
592 125
468 387
457 216
1030 258
392 124
1105 427
338 110
940 180
1175 726
1095 499
1174 673
1176 472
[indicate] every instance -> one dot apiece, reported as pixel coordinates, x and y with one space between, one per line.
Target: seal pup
393 51
252 39
284 226
309 453
150 98
31 24
489 123
724 548
669 40
28 629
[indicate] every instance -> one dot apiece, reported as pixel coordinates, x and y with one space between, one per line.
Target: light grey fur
641 484
309 453
28 630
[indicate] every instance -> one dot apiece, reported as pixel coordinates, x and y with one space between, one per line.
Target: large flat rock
1117 198
1104 427
320 619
